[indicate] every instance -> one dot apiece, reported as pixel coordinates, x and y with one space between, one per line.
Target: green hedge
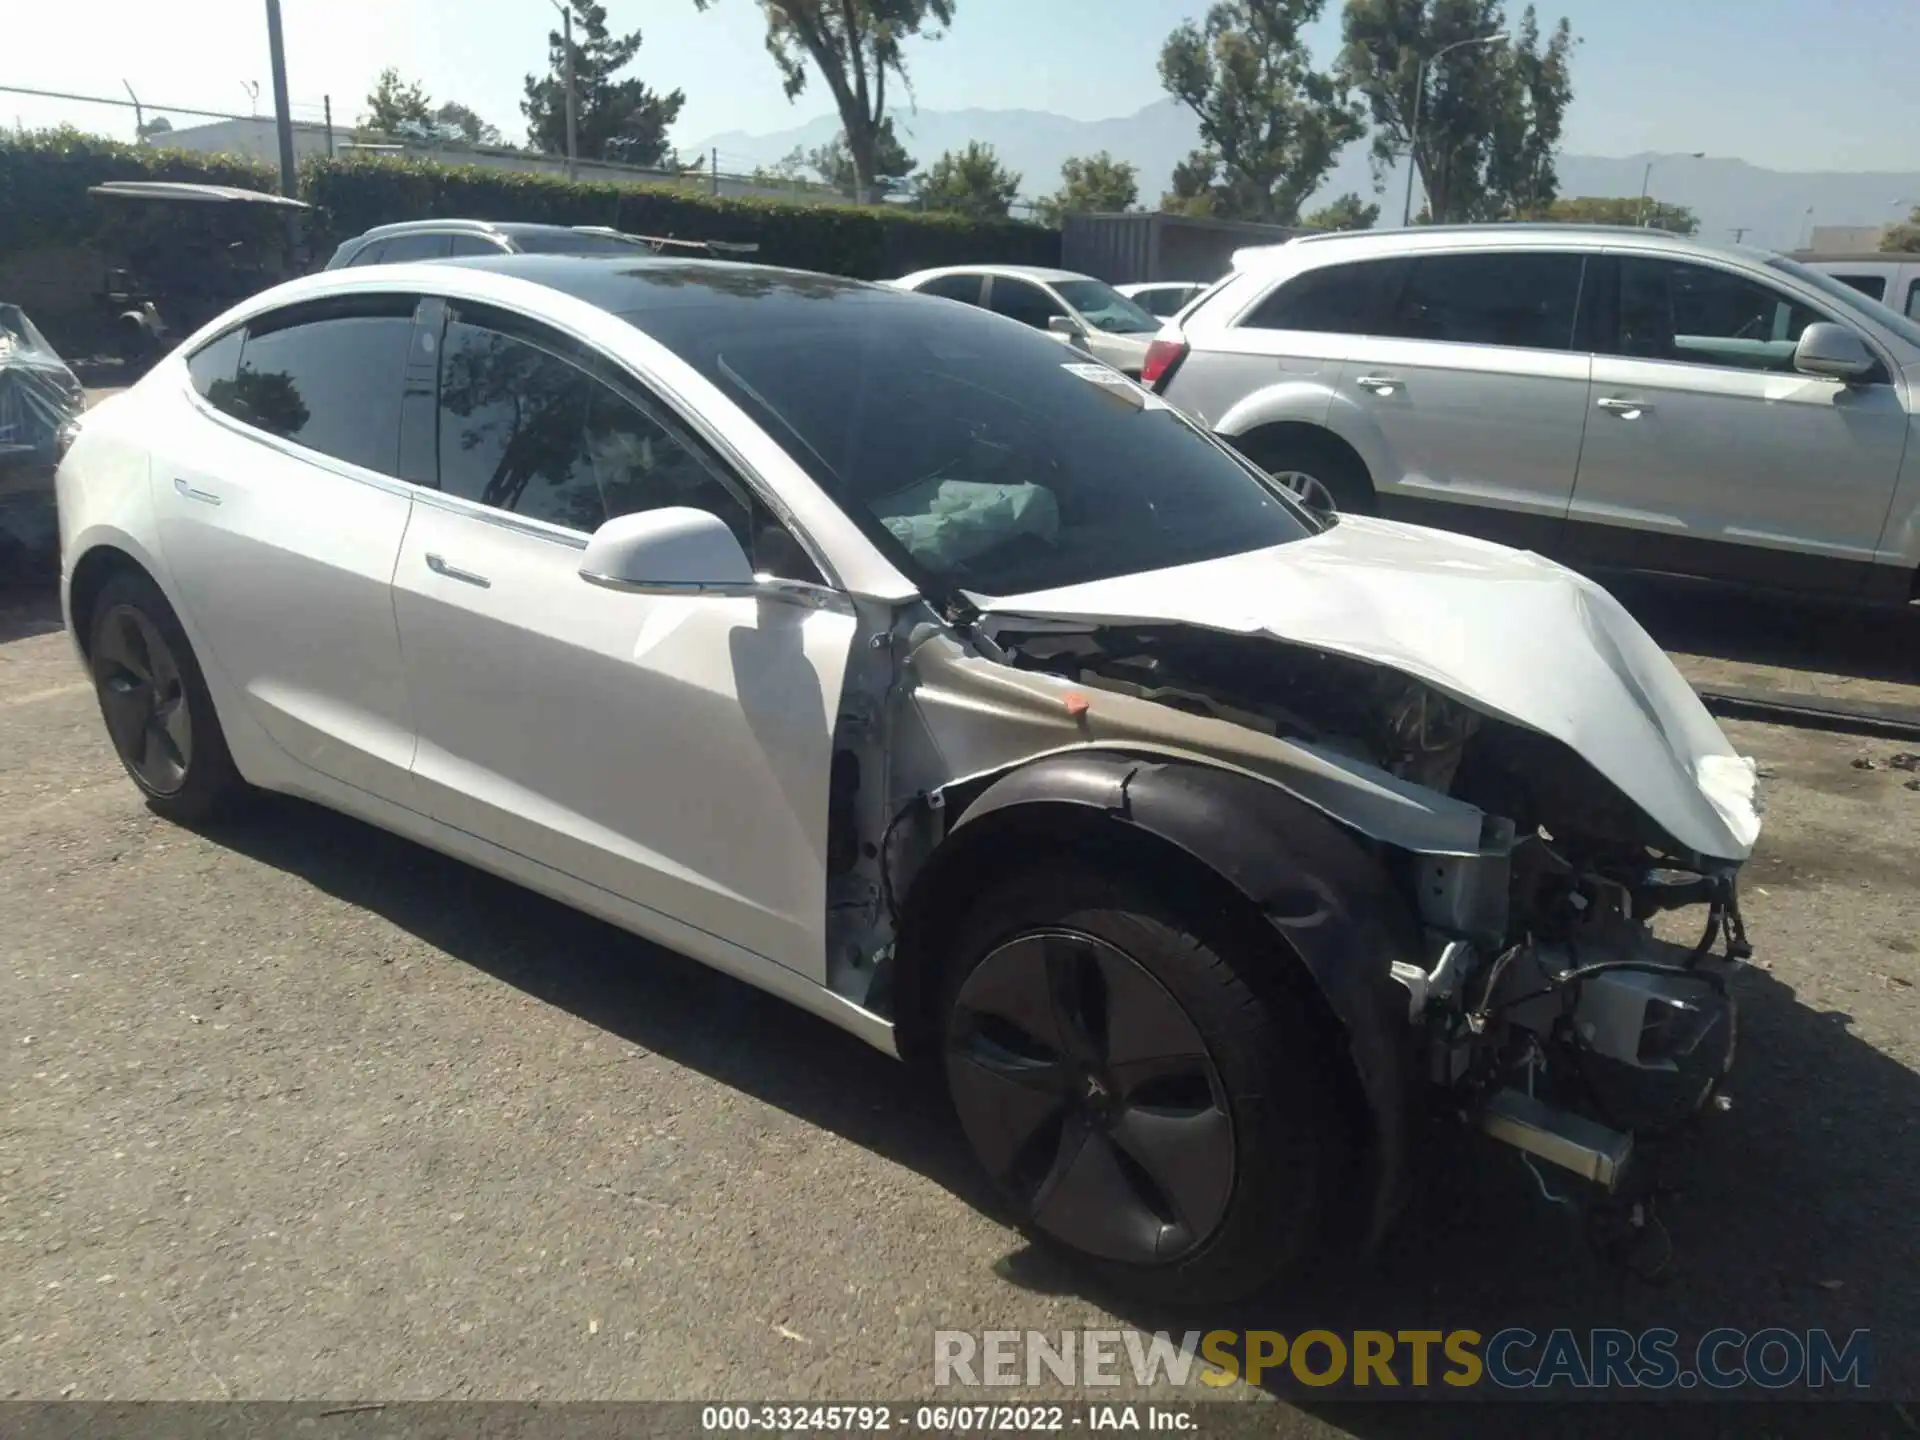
868 242
44 178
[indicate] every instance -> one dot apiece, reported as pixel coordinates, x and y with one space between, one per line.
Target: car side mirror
672 551
1834 352
1066 325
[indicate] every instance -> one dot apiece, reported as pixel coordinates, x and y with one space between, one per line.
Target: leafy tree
457 122
1271 126
1622 210
971 181
833 162
1489 116
1193 189
158 125
395 106
615 119
1904 238
855 45
1346 213
1096 183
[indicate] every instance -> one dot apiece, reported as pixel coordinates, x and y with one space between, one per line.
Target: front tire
1139 1104
154 700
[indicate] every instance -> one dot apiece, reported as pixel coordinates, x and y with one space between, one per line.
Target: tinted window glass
953 287
369 254
1522 300
1019 300
475 245
1874 287
982 456
326 376
1697 315
415 247
1335 299
218 360
525 430
1913 300
575 242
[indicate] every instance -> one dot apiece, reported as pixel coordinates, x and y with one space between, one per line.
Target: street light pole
1419 90
566 45
1640 217
282 113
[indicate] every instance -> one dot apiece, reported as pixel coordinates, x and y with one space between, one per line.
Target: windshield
979 455
1105 308
1849 298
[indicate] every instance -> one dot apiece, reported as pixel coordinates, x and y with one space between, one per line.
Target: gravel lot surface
298 1110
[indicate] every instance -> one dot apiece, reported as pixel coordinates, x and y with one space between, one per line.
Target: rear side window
326 376
1874 287
954 287
476 245
1335 299
575 242
1525 301
1913 300
415 247
370 254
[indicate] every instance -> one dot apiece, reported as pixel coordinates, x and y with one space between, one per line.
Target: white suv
1624 399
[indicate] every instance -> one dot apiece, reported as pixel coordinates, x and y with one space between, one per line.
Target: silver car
1086 313
1624 399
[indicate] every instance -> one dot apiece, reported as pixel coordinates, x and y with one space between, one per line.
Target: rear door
281 517
1473 393
672 750
1708 454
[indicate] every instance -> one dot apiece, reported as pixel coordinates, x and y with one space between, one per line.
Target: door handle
439 566
205 497
1625 409
1379 384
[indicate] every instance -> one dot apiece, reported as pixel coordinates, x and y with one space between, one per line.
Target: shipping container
1151 245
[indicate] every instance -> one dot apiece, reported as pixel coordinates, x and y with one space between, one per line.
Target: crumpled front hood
1511 634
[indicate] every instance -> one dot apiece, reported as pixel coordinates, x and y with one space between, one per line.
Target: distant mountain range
1774 208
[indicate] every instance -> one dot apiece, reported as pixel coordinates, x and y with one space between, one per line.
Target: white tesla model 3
882 654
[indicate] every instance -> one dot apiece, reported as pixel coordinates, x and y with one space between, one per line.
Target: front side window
1519 300
1332 300
1023 301
1105 308
523 428
326 376
983 457
1697 315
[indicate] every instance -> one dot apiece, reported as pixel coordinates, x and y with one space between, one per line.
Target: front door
674 751
281 523
1707 453
1475 392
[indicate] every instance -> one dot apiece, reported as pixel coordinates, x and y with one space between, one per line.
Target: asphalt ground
295 1109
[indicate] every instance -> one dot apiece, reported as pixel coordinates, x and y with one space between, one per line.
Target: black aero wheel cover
1088 1094
143 698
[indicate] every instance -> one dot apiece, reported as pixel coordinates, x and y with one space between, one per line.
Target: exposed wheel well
1266 440
90 576
1004 843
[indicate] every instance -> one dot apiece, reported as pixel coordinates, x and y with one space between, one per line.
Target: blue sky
1788 84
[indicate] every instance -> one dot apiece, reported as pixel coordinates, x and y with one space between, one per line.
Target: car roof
1855 257
189 190
1021 272
1358 244
624 285
508 228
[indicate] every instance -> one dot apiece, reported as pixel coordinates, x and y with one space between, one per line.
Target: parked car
1892 279
871 650
1162 297
1086 313
1621 398
438 239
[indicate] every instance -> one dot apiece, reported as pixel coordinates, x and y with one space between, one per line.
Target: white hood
1513 635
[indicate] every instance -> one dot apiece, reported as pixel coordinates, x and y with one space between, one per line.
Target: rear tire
154 700
1139 1104
1306 463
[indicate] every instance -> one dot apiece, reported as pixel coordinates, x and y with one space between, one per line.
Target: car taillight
1163 358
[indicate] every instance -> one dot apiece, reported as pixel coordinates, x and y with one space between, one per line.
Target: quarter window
1335 299
326 376
524 428
1526 301
1019 300
1696 315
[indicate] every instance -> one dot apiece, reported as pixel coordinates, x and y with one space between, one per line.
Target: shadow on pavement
1799 1208
28 610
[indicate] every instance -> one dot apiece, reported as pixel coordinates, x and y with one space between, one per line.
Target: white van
1891 278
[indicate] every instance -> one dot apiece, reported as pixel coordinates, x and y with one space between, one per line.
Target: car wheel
155 703
1136 1101
1320 474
